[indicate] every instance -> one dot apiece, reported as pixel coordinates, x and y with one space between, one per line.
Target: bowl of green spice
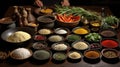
59 57
73 37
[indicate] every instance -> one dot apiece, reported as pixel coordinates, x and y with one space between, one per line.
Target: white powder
21 53
61 31
60 47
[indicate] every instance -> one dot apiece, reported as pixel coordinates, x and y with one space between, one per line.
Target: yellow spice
80 31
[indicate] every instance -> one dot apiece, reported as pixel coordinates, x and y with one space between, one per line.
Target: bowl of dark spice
96 46
110 55
39 45
108 33
46 21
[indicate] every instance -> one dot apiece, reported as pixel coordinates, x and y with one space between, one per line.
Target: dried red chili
109 43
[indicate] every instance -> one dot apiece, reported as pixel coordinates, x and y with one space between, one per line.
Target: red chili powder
109 43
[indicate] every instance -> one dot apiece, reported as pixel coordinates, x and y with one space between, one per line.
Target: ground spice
109 43
80 31
92 54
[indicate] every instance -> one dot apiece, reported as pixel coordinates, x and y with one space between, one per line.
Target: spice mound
59 47
110 53
80 45
60 31
81 31
59 56
19 36
109 43
44 31
39 45
20 53
74 55
55 38
41 54
92 54
73 37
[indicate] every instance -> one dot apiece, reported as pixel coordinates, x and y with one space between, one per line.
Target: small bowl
81 30
40 38
73 37
46 21
60 46
74 56
62 31
80 45
95 46
110 55
55 38
20 54
45 31
59 57
110 43
92 56
108 33
42 55
39 45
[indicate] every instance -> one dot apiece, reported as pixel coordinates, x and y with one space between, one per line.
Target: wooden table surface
82 63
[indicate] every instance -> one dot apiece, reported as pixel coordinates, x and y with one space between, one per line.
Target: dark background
113 4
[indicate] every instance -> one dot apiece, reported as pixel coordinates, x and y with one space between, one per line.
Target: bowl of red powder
109 43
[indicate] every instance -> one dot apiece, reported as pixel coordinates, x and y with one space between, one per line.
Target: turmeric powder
80 31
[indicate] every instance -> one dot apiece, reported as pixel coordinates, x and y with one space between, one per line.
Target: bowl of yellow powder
80 30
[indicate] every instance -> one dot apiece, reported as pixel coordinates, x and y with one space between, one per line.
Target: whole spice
109 43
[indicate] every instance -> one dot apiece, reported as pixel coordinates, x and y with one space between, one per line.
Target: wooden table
82 63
